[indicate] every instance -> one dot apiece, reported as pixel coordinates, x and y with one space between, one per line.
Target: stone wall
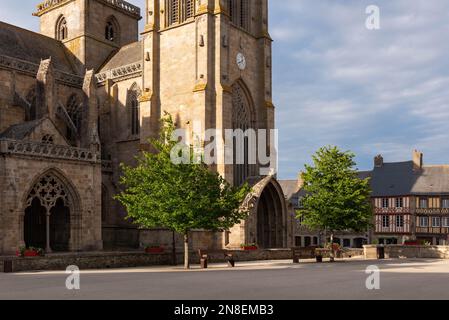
130 259
409 252
428 252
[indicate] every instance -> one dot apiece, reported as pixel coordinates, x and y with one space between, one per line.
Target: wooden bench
205 257
321 253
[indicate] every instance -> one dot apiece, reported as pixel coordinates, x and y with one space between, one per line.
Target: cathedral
86 94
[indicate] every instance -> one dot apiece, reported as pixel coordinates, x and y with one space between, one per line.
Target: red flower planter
154 250
31 253
250 248
28 253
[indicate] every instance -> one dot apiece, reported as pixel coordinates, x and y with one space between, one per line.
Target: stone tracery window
242 119
48 139
134 109
239 11
48 190
179 11
61 29
74 111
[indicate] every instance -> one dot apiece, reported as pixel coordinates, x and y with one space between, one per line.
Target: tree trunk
332 248
174 248
186 251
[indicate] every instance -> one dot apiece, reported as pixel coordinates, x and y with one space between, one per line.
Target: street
399 279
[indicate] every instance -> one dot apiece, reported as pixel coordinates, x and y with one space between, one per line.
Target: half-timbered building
411 201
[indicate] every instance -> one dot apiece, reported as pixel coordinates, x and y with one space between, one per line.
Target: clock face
241 61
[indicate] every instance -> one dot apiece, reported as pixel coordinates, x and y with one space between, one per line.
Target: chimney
300 180
417 160
378 161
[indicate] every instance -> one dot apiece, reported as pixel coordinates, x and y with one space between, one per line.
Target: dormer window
61 29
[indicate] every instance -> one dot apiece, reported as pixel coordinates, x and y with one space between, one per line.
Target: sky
335 82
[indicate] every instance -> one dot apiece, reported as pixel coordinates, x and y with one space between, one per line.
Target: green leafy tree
336 198
160 192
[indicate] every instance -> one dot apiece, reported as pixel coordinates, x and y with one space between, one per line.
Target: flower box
154 250
249 248
29 252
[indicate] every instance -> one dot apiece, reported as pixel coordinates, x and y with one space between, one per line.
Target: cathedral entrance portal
270 224
267 225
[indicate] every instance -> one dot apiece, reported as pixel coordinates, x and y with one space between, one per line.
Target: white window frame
421 220
445 222
445 203
385 203
399 202
423 200
436 225
385 221
400 221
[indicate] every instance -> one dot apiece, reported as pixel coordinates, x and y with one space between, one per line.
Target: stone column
47 218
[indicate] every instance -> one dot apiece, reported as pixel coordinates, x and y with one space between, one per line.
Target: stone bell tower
90 29
208 62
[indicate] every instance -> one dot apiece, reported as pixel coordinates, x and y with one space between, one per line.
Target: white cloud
371 91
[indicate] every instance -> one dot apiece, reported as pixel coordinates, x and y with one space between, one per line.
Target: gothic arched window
179 11
134 109
74 111
61 29
111 31
239 11
242 120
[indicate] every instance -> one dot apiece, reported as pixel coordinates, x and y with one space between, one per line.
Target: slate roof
400 179
394 180
33 47
126 55
21 130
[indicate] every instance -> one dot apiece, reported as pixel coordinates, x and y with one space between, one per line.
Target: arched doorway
270 223
47 220
34 225
59 226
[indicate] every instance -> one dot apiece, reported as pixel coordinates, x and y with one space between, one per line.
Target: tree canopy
179 196
336 197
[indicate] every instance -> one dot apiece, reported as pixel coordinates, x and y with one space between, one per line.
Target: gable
38 131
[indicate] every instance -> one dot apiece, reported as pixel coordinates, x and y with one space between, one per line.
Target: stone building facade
303 236
87 92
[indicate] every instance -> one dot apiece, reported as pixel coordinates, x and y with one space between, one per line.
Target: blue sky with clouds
335 82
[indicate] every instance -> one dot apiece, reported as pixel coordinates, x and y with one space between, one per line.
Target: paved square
400 279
